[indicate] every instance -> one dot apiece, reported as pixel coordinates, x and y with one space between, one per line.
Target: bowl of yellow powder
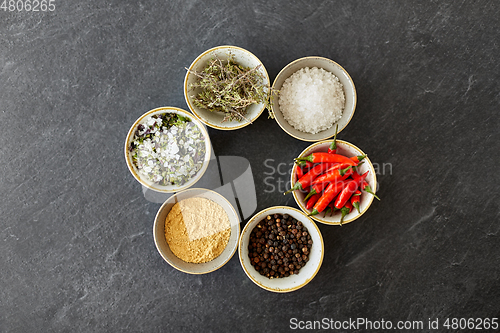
196 231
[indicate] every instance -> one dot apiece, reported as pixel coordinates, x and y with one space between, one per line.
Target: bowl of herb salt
227 87
167 149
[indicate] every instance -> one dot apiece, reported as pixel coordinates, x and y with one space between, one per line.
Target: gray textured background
76 246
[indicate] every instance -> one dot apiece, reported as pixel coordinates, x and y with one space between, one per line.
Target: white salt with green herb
312 99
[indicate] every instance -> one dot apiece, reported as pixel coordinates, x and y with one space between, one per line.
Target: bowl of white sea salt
311 96
167 149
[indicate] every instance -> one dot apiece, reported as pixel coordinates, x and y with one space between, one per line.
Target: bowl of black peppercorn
281 249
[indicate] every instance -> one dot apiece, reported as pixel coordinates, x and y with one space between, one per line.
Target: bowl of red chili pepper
333 181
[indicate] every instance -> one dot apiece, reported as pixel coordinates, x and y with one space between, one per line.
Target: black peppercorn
279 246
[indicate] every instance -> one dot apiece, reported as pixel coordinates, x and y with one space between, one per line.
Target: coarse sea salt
312 99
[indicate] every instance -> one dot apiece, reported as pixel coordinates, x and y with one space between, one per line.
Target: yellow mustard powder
197 230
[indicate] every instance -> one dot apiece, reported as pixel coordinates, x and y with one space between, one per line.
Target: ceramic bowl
214 119
346 149
172 259
330 66
144 180
292 282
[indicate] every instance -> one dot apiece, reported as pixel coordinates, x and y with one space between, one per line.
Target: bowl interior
214 119
172 259
166 188
349 150
328 65
292 282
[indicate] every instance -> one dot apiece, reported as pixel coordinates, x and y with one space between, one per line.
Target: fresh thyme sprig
229 88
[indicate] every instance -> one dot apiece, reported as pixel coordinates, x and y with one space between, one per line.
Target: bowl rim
246 229
155 235
274 96
316 217
188 102
167 109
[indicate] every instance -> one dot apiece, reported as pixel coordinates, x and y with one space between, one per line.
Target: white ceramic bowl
349 150
144 180
330 66
172 259
292 282
214 119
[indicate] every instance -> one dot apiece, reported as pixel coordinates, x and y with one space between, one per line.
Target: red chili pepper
305 164
312 201
299 172
328 195
326 158
307 179
332 207
358 158
365 187
335 173
345 210
315 189
355 200
333 146
348 191
356 175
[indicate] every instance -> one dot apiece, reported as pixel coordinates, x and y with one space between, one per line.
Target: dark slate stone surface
76 246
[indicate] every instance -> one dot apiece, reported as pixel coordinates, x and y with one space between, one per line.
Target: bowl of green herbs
167 149
227 87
